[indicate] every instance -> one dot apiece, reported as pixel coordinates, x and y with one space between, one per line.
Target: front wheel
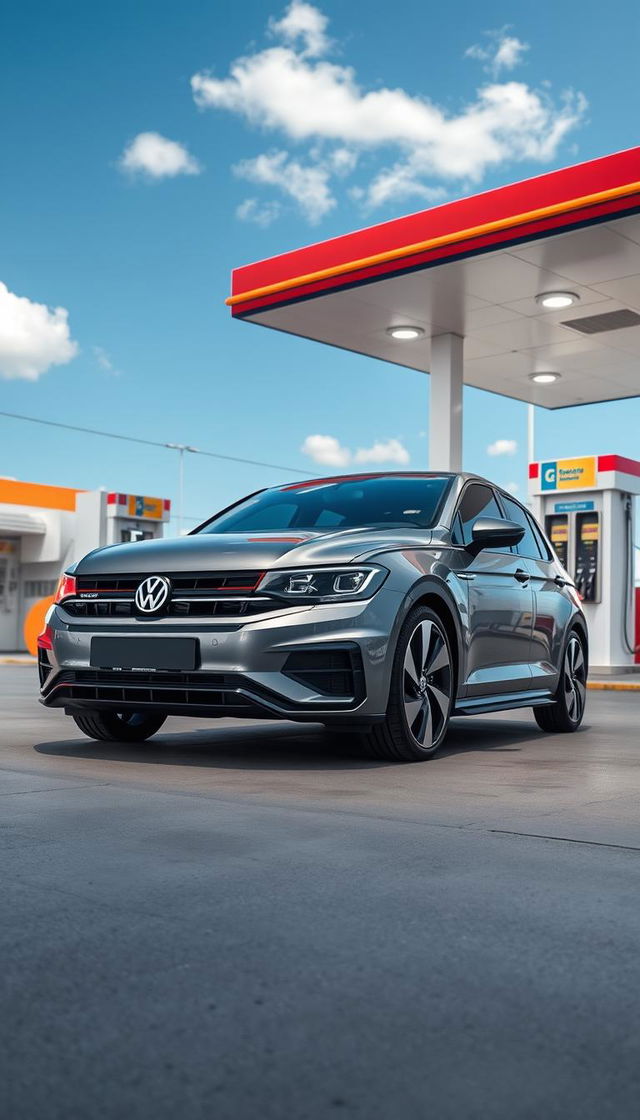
567 710
421 693
119 727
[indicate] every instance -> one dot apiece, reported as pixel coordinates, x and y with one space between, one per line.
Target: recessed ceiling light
555 301
405 334
544 378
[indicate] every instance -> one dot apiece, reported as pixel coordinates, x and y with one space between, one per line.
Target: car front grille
193 595
170 690
181 608
185 693
201 582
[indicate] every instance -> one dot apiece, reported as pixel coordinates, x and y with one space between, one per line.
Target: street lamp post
531 433
181 448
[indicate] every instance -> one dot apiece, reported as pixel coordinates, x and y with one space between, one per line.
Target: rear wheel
119 727
421 693
567 710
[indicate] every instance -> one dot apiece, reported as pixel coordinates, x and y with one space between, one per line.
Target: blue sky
135 237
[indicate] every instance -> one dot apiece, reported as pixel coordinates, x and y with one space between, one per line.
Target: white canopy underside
490 300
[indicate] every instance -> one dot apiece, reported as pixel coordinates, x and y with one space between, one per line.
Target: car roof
369 475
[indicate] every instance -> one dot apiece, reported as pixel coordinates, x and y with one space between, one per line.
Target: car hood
248 552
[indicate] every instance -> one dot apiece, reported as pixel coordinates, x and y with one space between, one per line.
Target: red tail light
66 588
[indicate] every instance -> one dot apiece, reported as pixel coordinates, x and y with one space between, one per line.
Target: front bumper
323 662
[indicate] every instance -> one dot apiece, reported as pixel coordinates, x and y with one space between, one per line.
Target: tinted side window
477 501
528 546
540 537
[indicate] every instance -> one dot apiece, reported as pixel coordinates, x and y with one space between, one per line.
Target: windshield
386 502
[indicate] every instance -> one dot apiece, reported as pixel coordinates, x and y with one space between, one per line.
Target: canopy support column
445 403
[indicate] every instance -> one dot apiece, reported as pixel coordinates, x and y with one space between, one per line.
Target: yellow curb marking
614 686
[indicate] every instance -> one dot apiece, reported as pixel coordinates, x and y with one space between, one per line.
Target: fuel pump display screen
557 526
587 546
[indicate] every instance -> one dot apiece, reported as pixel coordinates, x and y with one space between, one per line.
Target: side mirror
492 532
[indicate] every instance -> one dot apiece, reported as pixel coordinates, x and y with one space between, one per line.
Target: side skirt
502 703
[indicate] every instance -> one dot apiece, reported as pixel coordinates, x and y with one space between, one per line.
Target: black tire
567 710
119 727
421 694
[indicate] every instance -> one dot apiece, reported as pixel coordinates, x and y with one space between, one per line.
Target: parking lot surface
248 920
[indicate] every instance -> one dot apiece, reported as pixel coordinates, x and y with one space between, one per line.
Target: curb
614 686
18 661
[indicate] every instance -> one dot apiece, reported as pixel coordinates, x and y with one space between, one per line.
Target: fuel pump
557 529
587 508
587 571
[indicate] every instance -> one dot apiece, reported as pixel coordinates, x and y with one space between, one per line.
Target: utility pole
181 448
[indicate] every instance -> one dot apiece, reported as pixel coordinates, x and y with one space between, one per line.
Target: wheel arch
439 605
578 623
436 595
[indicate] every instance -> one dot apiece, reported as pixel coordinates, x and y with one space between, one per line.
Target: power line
152 443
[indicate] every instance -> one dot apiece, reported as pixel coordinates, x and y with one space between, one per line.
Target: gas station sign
145 507
569 474
138 506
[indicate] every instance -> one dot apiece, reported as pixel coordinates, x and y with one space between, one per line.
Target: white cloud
512 487
153 155
388 451
104 361
308 186
291 89
328 451
33 337
509 52
502 447
262 213
399 182
501 52
342 161
303 23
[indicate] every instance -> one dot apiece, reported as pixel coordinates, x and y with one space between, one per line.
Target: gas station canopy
478 270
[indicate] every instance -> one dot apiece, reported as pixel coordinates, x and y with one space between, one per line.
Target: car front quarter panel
418 576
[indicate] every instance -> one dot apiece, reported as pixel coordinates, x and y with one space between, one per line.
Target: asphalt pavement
249 920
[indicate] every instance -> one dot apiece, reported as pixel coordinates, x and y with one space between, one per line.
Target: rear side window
477 501
530 544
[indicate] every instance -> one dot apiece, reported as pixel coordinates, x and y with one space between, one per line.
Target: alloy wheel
575 679
427 681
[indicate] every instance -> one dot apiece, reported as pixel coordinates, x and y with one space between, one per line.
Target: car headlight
324 585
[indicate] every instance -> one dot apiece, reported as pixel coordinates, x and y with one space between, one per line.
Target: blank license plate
144 653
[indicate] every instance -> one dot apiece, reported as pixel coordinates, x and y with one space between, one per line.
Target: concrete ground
242 920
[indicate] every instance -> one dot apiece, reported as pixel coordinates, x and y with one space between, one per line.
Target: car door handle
560 581
521 575
466 575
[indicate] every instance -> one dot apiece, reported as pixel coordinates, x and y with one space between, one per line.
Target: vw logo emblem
152 594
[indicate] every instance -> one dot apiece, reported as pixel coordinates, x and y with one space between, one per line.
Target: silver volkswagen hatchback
381 604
